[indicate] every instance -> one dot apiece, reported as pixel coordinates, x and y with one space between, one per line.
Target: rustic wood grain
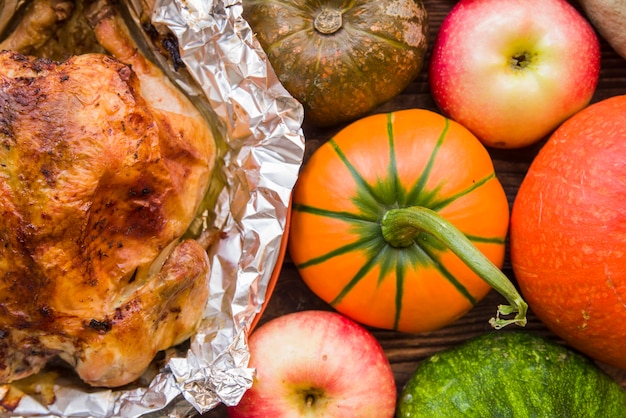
406 351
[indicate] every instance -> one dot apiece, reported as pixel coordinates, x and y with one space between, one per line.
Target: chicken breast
103 166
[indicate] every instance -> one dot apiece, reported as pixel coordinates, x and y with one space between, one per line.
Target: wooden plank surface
406 351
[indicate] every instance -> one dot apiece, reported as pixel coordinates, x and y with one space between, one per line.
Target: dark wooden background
406 351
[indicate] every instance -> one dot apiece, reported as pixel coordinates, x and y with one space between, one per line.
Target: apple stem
401 227
310 401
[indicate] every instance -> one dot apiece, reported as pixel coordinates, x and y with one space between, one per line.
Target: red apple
511 71
317 363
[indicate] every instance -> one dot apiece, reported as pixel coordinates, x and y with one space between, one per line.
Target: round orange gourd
376 217
568 232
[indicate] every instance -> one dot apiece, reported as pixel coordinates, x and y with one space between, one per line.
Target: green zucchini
510 374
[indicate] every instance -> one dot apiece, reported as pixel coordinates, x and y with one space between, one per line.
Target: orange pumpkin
399 222
568 232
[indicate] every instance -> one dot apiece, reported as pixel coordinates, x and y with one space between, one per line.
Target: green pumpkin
341 58
510 374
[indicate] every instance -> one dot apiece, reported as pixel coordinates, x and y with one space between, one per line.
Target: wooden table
406 351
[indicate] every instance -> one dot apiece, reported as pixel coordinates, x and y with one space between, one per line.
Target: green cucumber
510 374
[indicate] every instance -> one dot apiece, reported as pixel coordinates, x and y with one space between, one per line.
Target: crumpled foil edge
264 122
261 125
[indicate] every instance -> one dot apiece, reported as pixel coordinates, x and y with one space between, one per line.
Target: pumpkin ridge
341 215
393 43
367 267
428 198
393 166
355 73
485 240
438 265
277 45
361 183
420 184
309 93
400 280
275 3
356 245
443 203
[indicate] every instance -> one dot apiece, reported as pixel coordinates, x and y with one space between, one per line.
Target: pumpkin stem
328 21
400 227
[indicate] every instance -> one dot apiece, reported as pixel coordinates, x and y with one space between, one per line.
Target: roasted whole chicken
104 165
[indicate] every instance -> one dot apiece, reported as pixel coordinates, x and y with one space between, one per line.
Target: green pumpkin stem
400 228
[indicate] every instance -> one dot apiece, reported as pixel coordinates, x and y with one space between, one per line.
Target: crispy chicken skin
42 18
103 166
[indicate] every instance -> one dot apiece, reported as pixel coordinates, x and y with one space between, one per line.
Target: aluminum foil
259 126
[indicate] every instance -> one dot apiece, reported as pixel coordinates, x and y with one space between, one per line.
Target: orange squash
568 232
399 222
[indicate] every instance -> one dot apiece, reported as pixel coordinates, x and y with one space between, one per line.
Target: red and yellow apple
317 363
511 71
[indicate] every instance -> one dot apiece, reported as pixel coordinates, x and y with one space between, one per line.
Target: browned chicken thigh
103 166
